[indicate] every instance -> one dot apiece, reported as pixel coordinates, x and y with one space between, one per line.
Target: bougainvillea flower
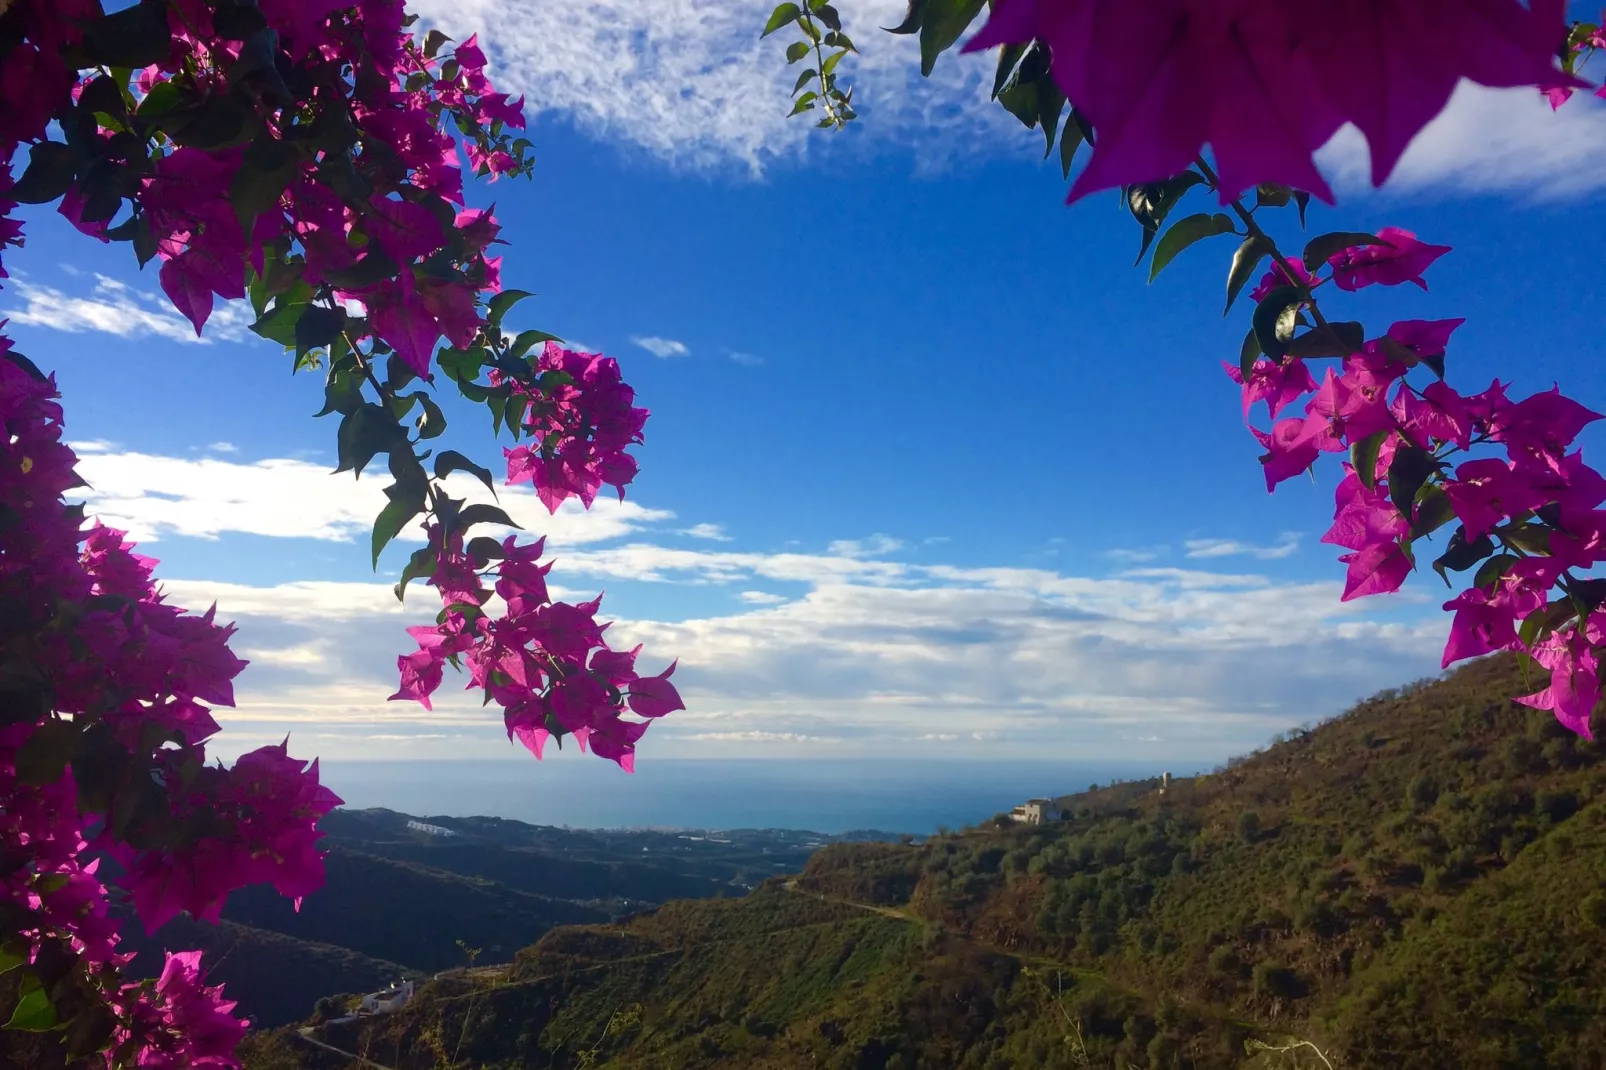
1399 258
1159 80
1288 454
1486 491
655 696
1363 516
1574 687
1541 427
1282 273
1436 415
1278 383
1378 569
1426 338
1483 624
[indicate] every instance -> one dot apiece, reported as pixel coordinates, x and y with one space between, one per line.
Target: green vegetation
1420 882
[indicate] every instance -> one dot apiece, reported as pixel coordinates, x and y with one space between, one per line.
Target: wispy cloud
1135 555
713 532
223 447
689 83
115 308
747 359
761 598
875 546
661 347
1287 545
151 496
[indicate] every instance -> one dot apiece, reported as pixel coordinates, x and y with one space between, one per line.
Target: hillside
1420 882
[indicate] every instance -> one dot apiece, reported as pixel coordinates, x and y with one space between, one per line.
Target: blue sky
931 471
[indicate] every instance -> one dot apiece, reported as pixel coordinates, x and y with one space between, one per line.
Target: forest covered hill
1420 882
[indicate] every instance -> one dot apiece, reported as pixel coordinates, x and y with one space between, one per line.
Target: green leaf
797 50
1275 318
1248 353
406 502
943 24
1244 262
1493 570
433 40
1529 537
45 754
376 266
804 79
364 433
1410 468
136 36
483 549
279 325
1462 554
1186 232
1008 58
1302 199
34 1012
1433 511
804 103
501 303
827 14
1329 340
51 169
1271 195
265 173
1070 140
318 327
10 960
89 1032
421 563
431 422
1363 456
484 514
1050 103
1320 248
783 15
449 461
528 340
912 18
1021 101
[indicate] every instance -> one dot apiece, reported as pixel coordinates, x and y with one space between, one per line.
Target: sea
834 796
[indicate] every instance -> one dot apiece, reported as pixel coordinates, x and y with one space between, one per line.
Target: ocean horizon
835 796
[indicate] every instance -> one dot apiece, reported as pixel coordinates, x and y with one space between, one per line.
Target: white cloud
761 598
692 84
223 447
1287 545
757 736
115 308
1490 141
714 532
151 496
1135 555
875 546
747 359
661 347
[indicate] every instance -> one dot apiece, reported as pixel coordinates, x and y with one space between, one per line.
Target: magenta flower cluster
545 663
581 422
103 751
1267 84
1422 457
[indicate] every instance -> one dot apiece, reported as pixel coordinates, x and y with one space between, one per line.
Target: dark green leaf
431 422
1410 468
1320 248
318 327
45 754
828 15
1271 195
1244 262
911 18
342 393
484 514
374 267
1462 554
1275 318
783 15
449 461
1529 537
34 1012
433 40
483 549
279 325
1050 103
136 36
368 431
89 1031
1008 58
265 173
405 503
527 340
1329 340
235 20
51 169
804 79
1248 353
1021 101
1186 232
944 22
219 122
1070 141
421 563
501 303
797 50
1492 570
144 240
1433 511
804 103
1363 457
1302 199
10 960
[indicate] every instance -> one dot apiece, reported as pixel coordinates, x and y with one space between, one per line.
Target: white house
393 998
1036 811
433 830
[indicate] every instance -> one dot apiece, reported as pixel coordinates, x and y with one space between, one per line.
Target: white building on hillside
433 830
1036 811
393 998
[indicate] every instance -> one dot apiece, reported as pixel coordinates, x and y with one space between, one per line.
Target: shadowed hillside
1420 882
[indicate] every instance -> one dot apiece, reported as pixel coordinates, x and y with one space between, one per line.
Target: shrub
1249 826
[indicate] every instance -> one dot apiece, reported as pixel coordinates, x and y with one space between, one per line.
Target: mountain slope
1416 883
